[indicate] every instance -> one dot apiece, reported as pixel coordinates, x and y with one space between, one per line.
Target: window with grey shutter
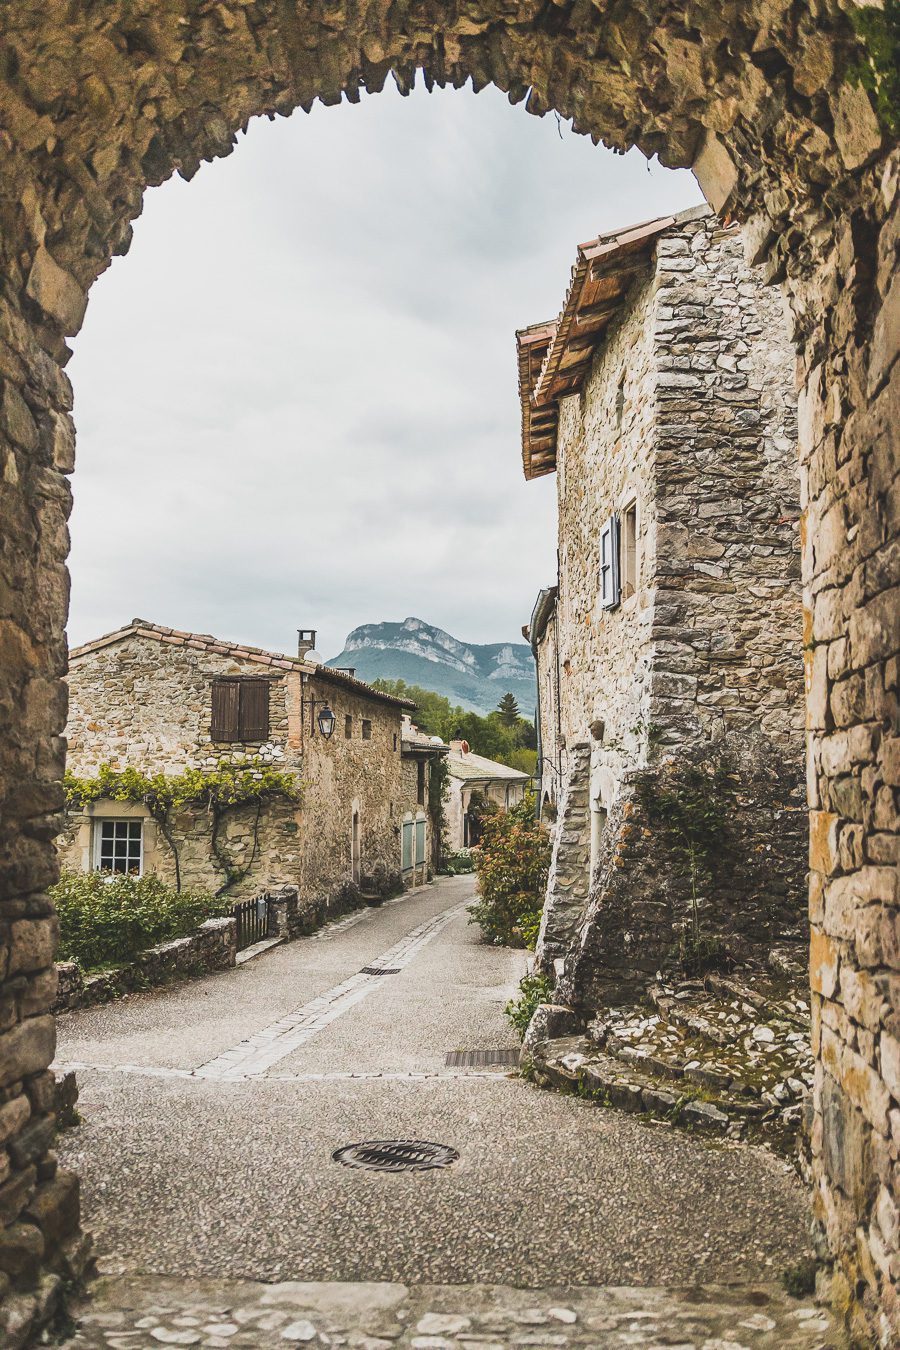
609 564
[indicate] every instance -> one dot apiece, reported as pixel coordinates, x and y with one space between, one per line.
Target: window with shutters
629 551
407 845
609 563
240 710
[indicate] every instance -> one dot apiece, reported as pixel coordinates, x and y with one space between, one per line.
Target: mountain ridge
472 674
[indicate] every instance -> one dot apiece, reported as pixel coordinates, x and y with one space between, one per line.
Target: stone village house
474 778
162 701
662 398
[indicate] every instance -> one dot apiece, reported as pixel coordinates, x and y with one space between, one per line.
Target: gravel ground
198 1178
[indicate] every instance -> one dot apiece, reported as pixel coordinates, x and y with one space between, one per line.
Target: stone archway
97 102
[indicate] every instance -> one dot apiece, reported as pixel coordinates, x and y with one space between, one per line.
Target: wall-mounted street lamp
326 719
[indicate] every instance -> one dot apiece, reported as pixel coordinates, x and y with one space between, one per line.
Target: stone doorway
762 103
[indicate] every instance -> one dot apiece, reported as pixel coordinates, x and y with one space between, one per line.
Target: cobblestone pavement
197 1184
147 1314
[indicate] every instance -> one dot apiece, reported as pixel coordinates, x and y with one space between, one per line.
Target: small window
629 551
609 563
348 726
620 402
240 710
420 782
395 740
420 841
366 729
119 846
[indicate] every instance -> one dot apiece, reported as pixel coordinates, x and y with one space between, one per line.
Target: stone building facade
474 779
760 100
146 697
663 399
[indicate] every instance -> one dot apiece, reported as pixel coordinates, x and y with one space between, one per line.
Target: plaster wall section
547 672
503 793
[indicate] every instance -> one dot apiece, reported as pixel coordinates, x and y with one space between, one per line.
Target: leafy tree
508 710
513 744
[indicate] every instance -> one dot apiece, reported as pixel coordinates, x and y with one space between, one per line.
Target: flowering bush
511 863
108 918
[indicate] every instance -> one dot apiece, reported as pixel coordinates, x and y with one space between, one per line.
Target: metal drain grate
380 970
396 1155
481 1059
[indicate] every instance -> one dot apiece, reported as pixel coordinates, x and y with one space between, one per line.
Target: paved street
210 1113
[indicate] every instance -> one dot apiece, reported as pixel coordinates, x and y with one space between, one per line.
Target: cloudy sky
296 396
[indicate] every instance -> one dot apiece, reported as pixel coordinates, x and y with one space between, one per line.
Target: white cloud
296 397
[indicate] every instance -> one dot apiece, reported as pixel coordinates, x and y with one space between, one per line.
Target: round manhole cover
396 1155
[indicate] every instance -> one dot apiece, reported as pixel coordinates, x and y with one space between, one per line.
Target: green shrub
454 864
511 861
879 70
107 918
533 991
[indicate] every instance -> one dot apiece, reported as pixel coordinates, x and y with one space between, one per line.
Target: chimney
306 640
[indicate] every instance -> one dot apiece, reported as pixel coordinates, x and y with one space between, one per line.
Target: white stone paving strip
259 1052
334 1076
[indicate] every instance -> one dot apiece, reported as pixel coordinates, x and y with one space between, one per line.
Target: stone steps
574 1064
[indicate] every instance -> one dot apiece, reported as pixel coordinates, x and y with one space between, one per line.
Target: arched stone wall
99 100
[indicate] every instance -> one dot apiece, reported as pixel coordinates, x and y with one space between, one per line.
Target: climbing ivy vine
879 73
233 784
690 804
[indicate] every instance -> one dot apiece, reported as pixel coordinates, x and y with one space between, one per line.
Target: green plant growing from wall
533 991
879 72
690 805
232 785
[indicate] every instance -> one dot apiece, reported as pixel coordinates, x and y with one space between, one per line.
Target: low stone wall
292 915
640 902
212 947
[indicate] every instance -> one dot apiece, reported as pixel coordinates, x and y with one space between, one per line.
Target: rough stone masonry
672 413
98 102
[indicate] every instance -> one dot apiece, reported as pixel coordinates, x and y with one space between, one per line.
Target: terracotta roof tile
555 357
142 628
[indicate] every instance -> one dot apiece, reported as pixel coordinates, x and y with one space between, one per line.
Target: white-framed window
119 846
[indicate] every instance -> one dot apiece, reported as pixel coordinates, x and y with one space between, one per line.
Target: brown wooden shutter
254 722
225 721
